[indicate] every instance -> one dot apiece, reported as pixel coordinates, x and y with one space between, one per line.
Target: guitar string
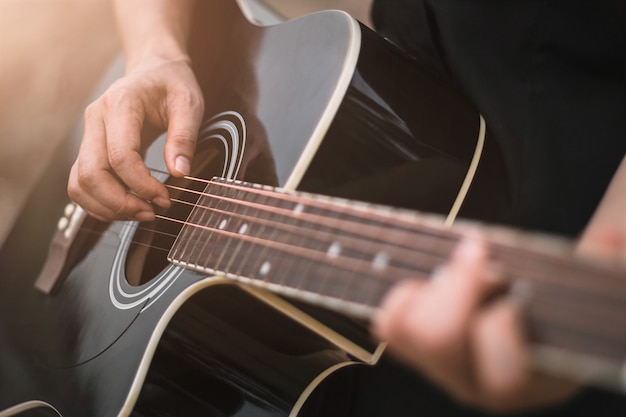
215 196
583 289
347 263
551 311
355 228
247 189
352 264
520 250
419 228
355 265
412 222
316 220
348 242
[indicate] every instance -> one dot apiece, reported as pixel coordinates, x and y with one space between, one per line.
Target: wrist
151 56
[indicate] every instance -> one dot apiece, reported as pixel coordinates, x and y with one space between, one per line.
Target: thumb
182 134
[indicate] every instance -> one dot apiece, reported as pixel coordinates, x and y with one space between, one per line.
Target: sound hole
147 254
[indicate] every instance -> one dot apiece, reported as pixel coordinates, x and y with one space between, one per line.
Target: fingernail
144 216
182 165
162 202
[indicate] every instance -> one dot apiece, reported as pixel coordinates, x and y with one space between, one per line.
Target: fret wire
255 224
199 238
308 274
193 215
291 269
186 234
275 261
195 218
250 227
230 255
360 276
383 255
210 219
227 238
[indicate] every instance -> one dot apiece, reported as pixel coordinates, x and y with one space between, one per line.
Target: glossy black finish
224 353
405 138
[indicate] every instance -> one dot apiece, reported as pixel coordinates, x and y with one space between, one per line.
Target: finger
386 324
439 323
94 206
96 209
123 147
463 282
505 378
91 184
500 357
403 322
185 114
427 325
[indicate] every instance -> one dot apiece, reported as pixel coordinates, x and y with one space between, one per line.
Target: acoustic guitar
254 289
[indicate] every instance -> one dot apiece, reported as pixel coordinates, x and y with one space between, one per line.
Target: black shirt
549 77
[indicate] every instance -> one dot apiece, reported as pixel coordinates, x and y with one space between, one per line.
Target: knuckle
121 209
144 190
182 138
73 191
121 94
86 178
117 158
188 101
91 112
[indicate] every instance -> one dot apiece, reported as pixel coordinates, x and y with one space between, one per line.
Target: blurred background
52 55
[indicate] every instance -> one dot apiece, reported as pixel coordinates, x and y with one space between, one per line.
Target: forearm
154 29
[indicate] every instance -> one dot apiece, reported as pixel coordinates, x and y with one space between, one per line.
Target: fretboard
345 256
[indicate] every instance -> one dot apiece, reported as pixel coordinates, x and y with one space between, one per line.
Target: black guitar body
321 104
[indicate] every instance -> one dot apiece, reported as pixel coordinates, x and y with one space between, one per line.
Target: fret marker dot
243 228
334 250
298 209
381 260
265 268
223 224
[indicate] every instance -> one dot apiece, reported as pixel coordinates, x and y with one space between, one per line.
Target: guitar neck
345 256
